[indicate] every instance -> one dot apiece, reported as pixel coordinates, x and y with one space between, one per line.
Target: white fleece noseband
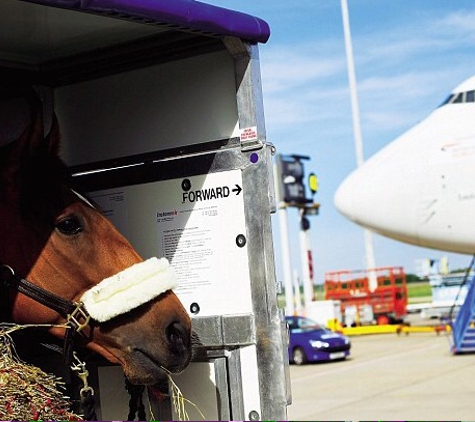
129 289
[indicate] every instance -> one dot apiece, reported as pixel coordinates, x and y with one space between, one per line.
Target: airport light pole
286 260
291 192
306 255
368 236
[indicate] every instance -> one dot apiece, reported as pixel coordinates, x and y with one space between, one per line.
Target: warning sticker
249 134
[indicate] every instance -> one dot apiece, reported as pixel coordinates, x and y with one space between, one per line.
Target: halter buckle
77 315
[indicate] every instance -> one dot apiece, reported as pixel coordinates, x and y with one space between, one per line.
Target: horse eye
69 226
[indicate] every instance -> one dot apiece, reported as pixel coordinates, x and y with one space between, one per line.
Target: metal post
298 300
272 361
286 261
306 258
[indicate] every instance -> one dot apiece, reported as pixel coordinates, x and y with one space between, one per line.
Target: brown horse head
55 240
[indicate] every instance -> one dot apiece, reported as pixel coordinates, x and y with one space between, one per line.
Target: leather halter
75 313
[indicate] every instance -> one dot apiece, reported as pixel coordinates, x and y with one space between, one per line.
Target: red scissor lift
388 300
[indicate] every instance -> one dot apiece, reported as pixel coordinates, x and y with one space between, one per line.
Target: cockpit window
448 100
460 97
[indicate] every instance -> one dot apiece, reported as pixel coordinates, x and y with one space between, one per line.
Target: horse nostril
177 336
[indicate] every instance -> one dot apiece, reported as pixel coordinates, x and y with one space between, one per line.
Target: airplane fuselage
420 189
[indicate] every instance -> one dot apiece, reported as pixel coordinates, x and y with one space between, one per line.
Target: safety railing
465 313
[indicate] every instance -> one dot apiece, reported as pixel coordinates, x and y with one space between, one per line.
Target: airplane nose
356 197
382 204
344 197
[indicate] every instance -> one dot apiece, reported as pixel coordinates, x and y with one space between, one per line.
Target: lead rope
87 404
136 406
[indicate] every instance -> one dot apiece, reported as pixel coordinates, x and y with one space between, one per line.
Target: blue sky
408 55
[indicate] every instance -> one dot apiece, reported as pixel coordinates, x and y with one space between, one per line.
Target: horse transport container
160 109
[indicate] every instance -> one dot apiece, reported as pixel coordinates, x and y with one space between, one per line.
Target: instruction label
198 224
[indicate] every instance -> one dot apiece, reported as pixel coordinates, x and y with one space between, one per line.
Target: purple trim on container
186 14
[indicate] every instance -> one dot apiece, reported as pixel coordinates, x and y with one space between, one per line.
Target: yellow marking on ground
388 329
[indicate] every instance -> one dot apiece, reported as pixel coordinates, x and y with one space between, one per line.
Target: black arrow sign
237 189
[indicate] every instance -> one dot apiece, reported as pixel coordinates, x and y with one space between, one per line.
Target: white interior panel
159 107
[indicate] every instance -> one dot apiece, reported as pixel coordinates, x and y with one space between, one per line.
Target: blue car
311 342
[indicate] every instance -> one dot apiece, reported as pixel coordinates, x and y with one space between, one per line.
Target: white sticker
198 224
249 134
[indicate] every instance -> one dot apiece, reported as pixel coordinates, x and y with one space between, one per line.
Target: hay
178 401
26 392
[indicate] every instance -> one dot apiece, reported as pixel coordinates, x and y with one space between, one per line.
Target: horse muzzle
148 365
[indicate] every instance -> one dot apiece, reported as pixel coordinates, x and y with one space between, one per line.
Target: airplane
420 188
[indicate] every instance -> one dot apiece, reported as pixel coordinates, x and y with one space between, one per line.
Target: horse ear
31 144
53 137
33 141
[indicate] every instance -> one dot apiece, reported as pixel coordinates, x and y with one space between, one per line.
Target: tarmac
388 377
